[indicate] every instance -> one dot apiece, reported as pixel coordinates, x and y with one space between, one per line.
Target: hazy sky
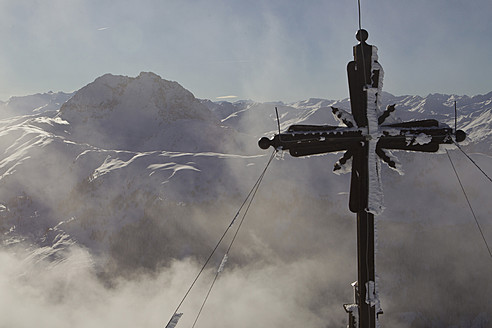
264 50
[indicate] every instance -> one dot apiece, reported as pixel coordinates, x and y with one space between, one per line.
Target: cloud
36 291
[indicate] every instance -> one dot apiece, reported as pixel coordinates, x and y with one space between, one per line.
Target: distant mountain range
33 104
140 173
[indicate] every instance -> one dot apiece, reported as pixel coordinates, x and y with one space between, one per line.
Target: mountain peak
141 94
129 108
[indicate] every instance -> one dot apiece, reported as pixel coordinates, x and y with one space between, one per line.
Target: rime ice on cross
367 139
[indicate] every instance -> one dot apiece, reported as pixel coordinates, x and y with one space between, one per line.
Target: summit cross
367 139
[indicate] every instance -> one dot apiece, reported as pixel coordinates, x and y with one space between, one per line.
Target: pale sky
266 50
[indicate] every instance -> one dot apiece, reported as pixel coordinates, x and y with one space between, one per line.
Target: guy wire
469 205
250 195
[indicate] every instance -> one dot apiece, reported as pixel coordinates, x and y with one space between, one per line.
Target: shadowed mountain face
130 182
141 113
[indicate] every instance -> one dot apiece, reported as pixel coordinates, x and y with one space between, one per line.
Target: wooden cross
366 140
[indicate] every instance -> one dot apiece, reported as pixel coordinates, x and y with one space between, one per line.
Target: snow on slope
474 114
120 138
119 148
140 173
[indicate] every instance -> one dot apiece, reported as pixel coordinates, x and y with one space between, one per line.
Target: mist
97 237
292 264
285 269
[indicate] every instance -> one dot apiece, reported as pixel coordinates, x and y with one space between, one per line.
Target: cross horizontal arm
304 140
424 139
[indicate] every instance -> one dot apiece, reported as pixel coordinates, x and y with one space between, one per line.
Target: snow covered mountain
131 176
474 113
33 104
119 112
115 142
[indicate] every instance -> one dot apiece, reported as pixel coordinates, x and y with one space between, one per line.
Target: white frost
354 310
344 168
375 197
371 294
222 264
372 298
174 320
422 139
398 167
343 116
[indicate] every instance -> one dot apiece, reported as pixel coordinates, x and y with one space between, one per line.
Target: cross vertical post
363 77
366 140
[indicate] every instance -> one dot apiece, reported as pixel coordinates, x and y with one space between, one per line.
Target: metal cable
478 167
252 192
469 204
